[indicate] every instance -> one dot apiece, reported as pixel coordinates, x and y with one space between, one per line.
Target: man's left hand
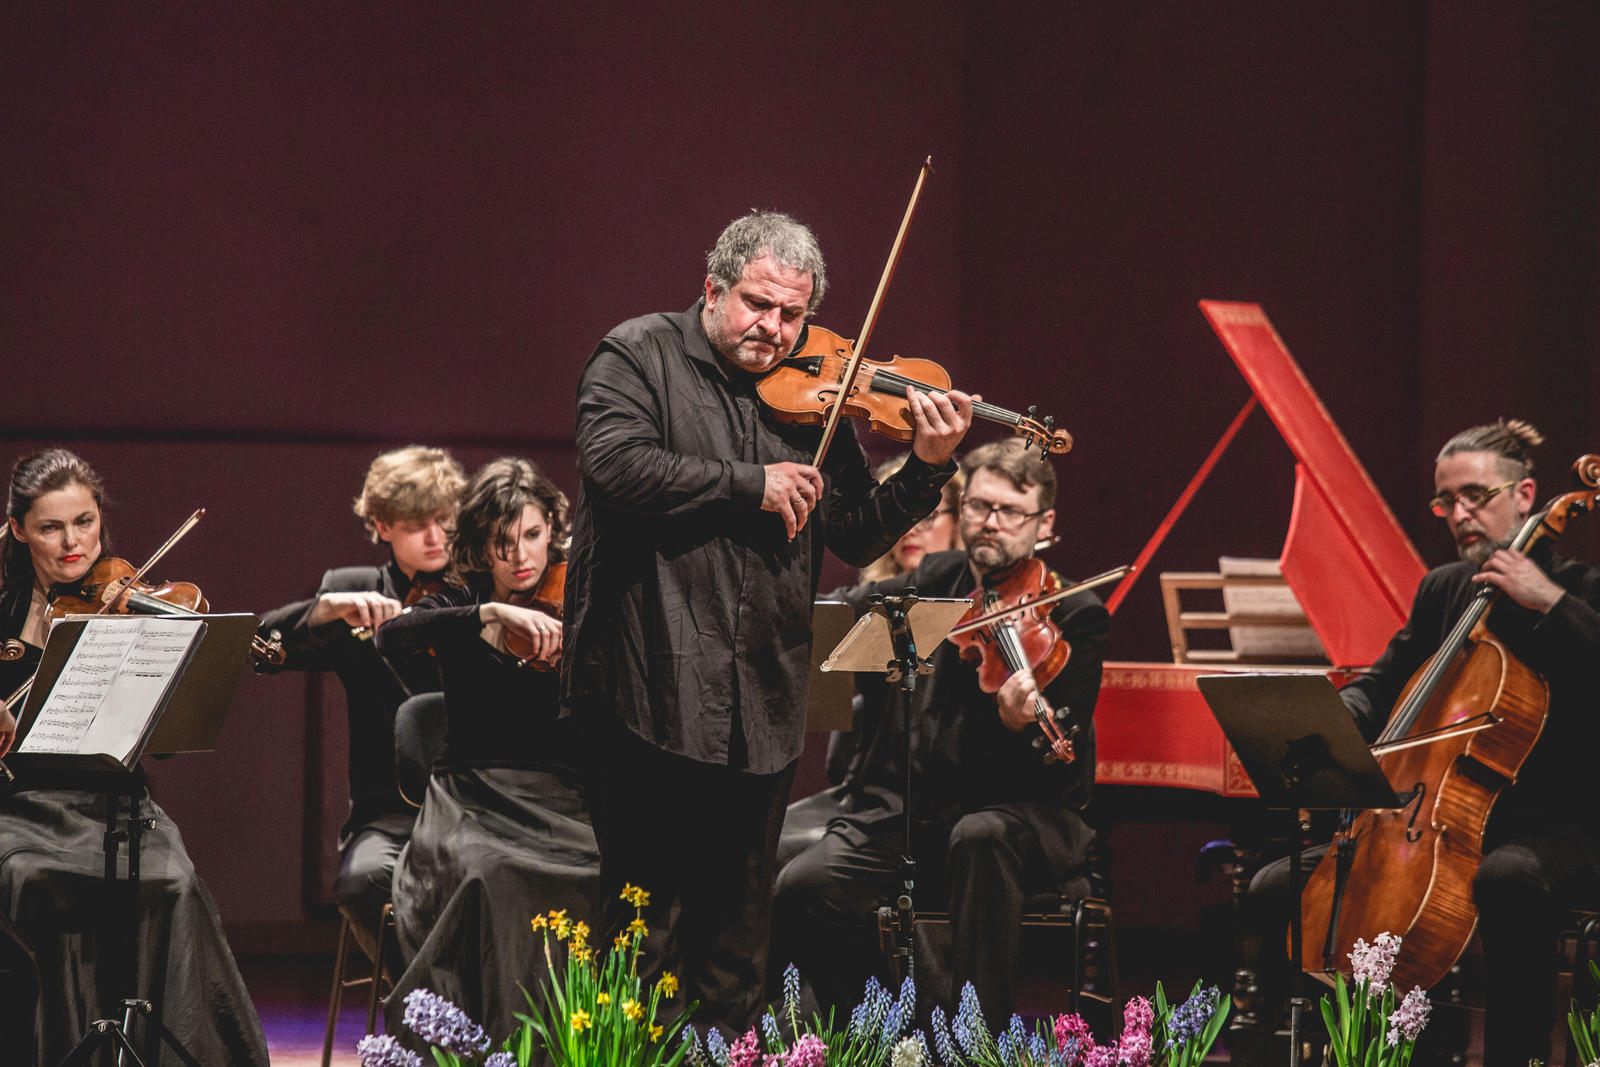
1519 578
1016 701
941 421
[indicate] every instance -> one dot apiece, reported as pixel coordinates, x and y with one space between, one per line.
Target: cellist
1542 846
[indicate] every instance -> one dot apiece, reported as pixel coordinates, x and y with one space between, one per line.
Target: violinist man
696 550
1542 846
992 823
407 502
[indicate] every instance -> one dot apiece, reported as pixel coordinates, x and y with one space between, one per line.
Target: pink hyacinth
1133 1049
1101 1056
809 1051
1409 1017
1138 1015
1073 1039
1373 963
745 1052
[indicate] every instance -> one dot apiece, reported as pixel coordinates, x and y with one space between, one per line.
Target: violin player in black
991 821
408 502
1542 845
697 546
52 860
503 834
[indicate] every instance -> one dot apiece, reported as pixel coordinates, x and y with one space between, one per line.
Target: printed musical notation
112 686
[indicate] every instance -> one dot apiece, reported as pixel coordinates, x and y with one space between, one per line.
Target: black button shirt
689 609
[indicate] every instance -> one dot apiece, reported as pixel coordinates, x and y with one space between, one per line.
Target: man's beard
1479 551
992 556
733 349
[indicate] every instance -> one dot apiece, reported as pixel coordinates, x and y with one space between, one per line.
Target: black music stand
1302 750
885 641
187 718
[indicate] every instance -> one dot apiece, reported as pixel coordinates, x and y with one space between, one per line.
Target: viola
1464 725
805 387
112 587
548 597
1026 639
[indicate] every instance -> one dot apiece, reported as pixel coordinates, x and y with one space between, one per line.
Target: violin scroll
12 650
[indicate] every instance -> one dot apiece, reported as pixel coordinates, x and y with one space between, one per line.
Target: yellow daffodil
655 1033
540 922
580 1021
620 942
634 895
637 926
583 954
668 984
603 998
631 1009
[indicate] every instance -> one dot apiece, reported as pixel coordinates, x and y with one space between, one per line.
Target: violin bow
105 604
1028 605
854 365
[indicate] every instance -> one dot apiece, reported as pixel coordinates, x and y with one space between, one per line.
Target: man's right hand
363 610
792 491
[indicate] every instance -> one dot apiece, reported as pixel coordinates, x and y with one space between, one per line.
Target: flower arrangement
875 1035
1153 1035
596 1013
1364 1035
1585 1026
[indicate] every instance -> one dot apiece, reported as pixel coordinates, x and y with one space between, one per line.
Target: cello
1459 734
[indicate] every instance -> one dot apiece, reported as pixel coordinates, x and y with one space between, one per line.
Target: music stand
197 699
885 641
1302 750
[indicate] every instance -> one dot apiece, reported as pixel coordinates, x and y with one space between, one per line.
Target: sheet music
112 685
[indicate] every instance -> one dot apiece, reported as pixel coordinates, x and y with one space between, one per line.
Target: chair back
418 741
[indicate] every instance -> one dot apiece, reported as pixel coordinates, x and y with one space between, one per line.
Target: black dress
503 834
53 891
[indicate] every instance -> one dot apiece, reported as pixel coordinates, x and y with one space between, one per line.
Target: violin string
897 384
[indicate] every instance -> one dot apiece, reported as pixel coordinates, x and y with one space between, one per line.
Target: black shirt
963 756
498 713
373 687
689 609
1556 782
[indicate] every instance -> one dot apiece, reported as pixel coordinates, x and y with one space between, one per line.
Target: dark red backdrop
245 249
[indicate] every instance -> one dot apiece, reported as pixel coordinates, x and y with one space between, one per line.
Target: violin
419 589
548 597
111 588
1025 639
805 387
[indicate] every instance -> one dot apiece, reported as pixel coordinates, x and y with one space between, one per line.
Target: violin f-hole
1413 799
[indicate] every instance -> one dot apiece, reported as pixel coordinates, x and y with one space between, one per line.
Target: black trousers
1524 889
982 868
366 871
702 840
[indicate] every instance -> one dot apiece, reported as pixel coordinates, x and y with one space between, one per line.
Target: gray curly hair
767 233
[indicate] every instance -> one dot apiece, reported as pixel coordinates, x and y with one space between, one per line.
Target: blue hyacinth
769 1029
692 1051
791 990
501 1059
942 1040
1008 1054
1038 1049
969 1028
443 1025
385 1051
1189 1019
717 1046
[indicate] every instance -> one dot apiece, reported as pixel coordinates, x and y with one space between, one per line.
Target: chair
418 739
1083 905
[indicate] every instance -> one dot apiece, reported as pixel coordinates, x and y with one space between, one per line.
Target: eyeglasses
977 512
927 523
1472 496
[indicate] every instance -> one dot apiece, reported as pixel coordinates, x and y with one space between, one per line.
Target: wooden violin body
806 386
1409 870
1028 640
548 596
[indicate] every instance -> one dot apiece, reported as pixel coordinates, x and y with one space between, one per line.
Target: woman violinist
407 502
52 861
1541 845
503 834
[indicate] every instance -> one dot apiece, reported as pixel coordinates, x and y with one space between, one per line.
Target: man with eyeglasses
1541 846
992 822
